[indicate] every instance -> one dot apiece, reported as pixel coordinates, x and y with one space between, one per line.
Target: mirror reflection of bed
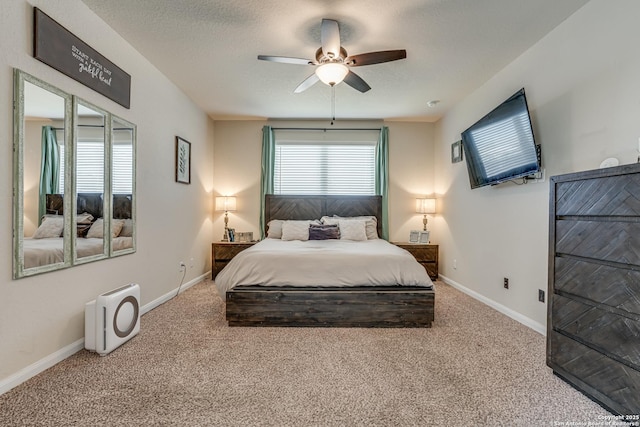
46 245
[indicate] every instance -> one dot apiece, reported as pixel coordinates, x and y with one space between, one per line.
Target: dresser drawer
424 254
615 241
609 286
612 383
613 334
595 196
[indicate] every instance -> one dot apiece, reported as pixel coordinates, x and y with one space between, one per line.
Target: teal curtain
382 177
49 168
266 176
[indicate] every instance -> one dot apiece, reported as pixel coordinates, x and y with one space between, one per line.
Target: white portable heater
112 319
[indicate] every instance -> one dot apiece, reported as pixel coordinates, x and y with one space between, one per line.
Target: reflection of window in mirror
122 175
89 176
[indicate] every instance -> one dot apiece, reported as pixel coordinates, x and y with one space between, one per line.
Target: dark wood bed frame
389 306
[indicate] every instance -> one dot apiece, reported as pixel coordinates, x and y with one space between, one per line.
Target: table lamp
226 204
425 206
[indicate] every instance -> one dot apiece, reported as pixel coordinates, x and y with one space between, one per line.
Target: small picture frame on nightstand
414 236
424 237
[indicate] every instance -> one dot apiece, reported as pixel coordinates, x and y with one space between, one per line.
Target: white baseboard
41 365
166 297
536 326
45 363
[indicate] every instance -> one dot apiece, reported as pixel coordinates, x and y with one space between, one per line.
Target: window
325 167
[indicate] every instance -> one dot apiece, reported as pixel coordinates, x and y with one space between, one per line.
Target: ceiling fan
333 63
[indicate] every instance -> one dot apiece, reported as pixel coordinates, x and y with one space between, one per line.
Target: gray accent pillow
324 232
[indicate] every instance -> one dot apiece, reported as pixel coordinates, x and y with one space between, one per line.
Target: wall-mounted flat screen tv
500 146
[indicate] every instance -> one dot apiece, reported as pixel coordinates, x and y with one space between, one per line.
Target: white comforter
274 262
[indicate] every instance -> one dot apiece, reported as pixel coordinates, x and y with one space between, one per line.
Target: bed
387 287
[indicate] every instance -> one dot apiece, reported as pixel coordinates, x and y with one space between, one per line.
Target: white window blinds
329 166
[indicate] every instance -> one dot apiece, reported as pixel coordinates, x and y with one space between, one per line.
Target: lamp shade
226 203
332 73
426 206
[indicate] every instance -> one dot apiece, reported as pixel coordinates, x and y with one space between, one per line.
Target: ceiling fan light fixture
332 73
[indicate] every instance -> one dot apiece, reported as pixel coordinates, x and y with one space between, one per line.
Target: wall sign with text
59 48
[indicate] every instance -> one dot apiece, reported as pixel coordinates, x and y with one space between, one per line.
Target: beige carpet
475 367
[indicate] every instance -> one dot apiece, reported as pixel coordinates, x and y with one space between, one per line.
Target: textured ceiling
209 49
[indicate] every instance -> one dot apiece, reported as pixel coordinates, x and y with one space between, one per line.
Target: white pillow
295 230
274 229
352 230
51 226
371 223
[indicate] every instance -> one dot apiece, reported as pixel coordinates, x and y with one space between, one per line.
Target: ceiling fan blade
307 83
356 82
330 38
286 60
375 57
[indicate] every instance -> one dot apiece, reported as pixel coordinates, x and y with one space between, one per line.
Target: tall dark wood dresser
593 324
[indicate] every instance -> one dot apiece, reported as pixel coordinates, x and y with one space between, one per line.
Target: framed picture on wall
183 161
456 152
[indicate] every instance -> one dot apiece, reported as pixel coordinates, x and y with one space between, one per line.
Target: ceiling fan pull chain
333 104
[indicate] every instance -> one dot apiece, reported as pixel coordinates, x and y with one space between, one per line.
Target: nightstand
426 255
223 252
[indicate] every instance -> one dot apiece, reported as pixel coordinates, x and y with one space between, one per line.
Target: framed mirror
42 125
67 146
123 186
91 136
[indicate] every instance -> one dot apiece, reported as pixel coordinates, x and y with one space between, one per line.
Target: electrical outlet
540 295
191 263
182 265
455 264
506 283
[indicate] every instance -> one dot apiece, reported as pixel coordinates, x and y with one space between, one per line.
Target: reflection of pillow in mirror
82 229
84 218
52 226
97 229
116 227
127 228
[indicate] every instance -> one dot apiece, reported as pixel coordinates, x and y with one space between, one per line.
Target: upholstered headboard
282 206
92 203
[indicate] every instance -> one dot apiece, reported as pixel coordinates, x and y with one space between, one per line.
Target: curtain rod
326 129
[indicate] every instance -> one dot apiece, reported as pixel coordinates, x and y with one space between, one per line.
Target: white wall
583 90
43 314
238 152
